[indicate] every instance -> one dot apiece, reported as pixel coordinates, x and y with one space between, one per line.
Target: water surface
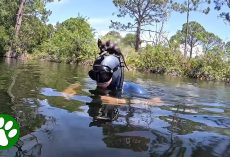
194 120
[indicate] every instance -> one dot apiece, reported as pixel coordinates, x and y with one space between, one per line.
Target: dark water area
194 120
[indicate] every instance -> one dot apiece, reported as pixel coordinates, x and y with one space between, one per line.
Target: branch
148 30
160 34
122 27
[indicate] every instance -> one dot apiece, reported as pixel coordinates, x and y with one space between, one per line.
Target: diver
111 90
108 72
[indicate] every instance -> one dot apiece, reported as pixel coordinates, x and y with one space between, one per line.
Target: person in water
108 72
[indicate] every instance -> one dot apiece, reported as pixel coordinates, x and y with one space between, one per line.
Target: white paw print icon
9 131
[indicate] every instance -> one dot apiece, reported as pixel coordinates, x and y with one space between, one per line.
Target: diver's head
107 72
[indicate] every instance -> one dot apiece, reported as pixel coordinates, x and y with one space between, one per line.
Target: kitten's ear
99 42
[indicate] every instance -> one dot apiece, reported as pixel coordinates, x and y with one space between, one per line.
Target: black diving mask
101 73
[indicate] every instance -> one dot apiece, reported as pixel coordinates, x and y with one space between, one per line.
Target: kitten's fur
111 48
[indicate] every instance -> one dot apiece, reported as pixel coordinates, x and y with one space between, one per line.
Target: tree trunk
11 52
186 35
191 48
137 42
19 17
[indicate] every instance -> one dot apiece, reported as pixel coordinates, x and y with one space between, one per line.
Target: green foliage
7 22
227 47
131 57
129 40
33 32
219 4
197 35
190 5
37 8
176 40
7 12
4 39
211 42
143 13
113 36
160 59
209 67
203 6
195 32
72 41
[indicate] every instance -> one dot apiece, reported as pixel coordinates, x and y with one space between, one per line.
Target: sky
100 12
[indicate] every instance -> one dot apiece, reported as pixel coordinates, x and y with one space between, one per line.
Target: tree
19 17
32 33
143 13
219 4
73 41
176 40
113 36
25 10
7 23
188 6
4 38
227 47
211 41
7 12
227 50
129 39
196 34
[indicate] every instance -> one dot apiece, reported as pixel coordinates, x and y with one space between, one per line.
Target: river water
194 119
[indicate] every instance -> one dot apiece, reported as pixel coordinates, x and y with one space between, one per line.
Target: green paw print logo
9 131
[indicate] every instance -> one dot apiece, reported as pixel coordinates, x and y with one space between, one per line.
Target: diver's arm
112 100
73 89
116 101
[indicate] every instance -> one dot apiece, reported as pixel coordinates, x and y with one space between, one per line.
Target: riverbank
210 67
161 60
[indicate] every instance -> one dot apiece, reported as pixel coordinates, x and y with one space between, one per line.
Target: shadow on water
194 121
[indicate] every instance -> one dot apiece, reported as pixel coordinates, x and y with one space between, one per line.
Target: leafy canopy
72 40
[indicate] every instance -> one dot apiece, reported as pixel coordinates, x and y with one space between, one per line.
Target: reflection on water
194 121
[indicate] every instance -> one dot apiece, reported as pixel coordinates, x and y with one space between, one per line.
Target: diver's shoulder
133 89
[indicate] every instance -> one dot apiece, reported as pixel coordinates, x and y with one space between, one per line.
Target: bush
209 67
160 59
4 40
73 41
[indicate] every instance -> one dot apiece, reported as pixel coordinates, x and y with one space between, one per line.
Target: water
194 120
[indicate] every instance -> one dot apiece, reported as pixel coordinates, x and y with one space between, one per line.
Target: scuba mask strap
115 69
120 86
108 68
120 65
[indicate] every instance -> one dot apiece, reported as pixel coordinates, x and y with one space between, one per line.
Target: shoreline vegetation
160 60
73 42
